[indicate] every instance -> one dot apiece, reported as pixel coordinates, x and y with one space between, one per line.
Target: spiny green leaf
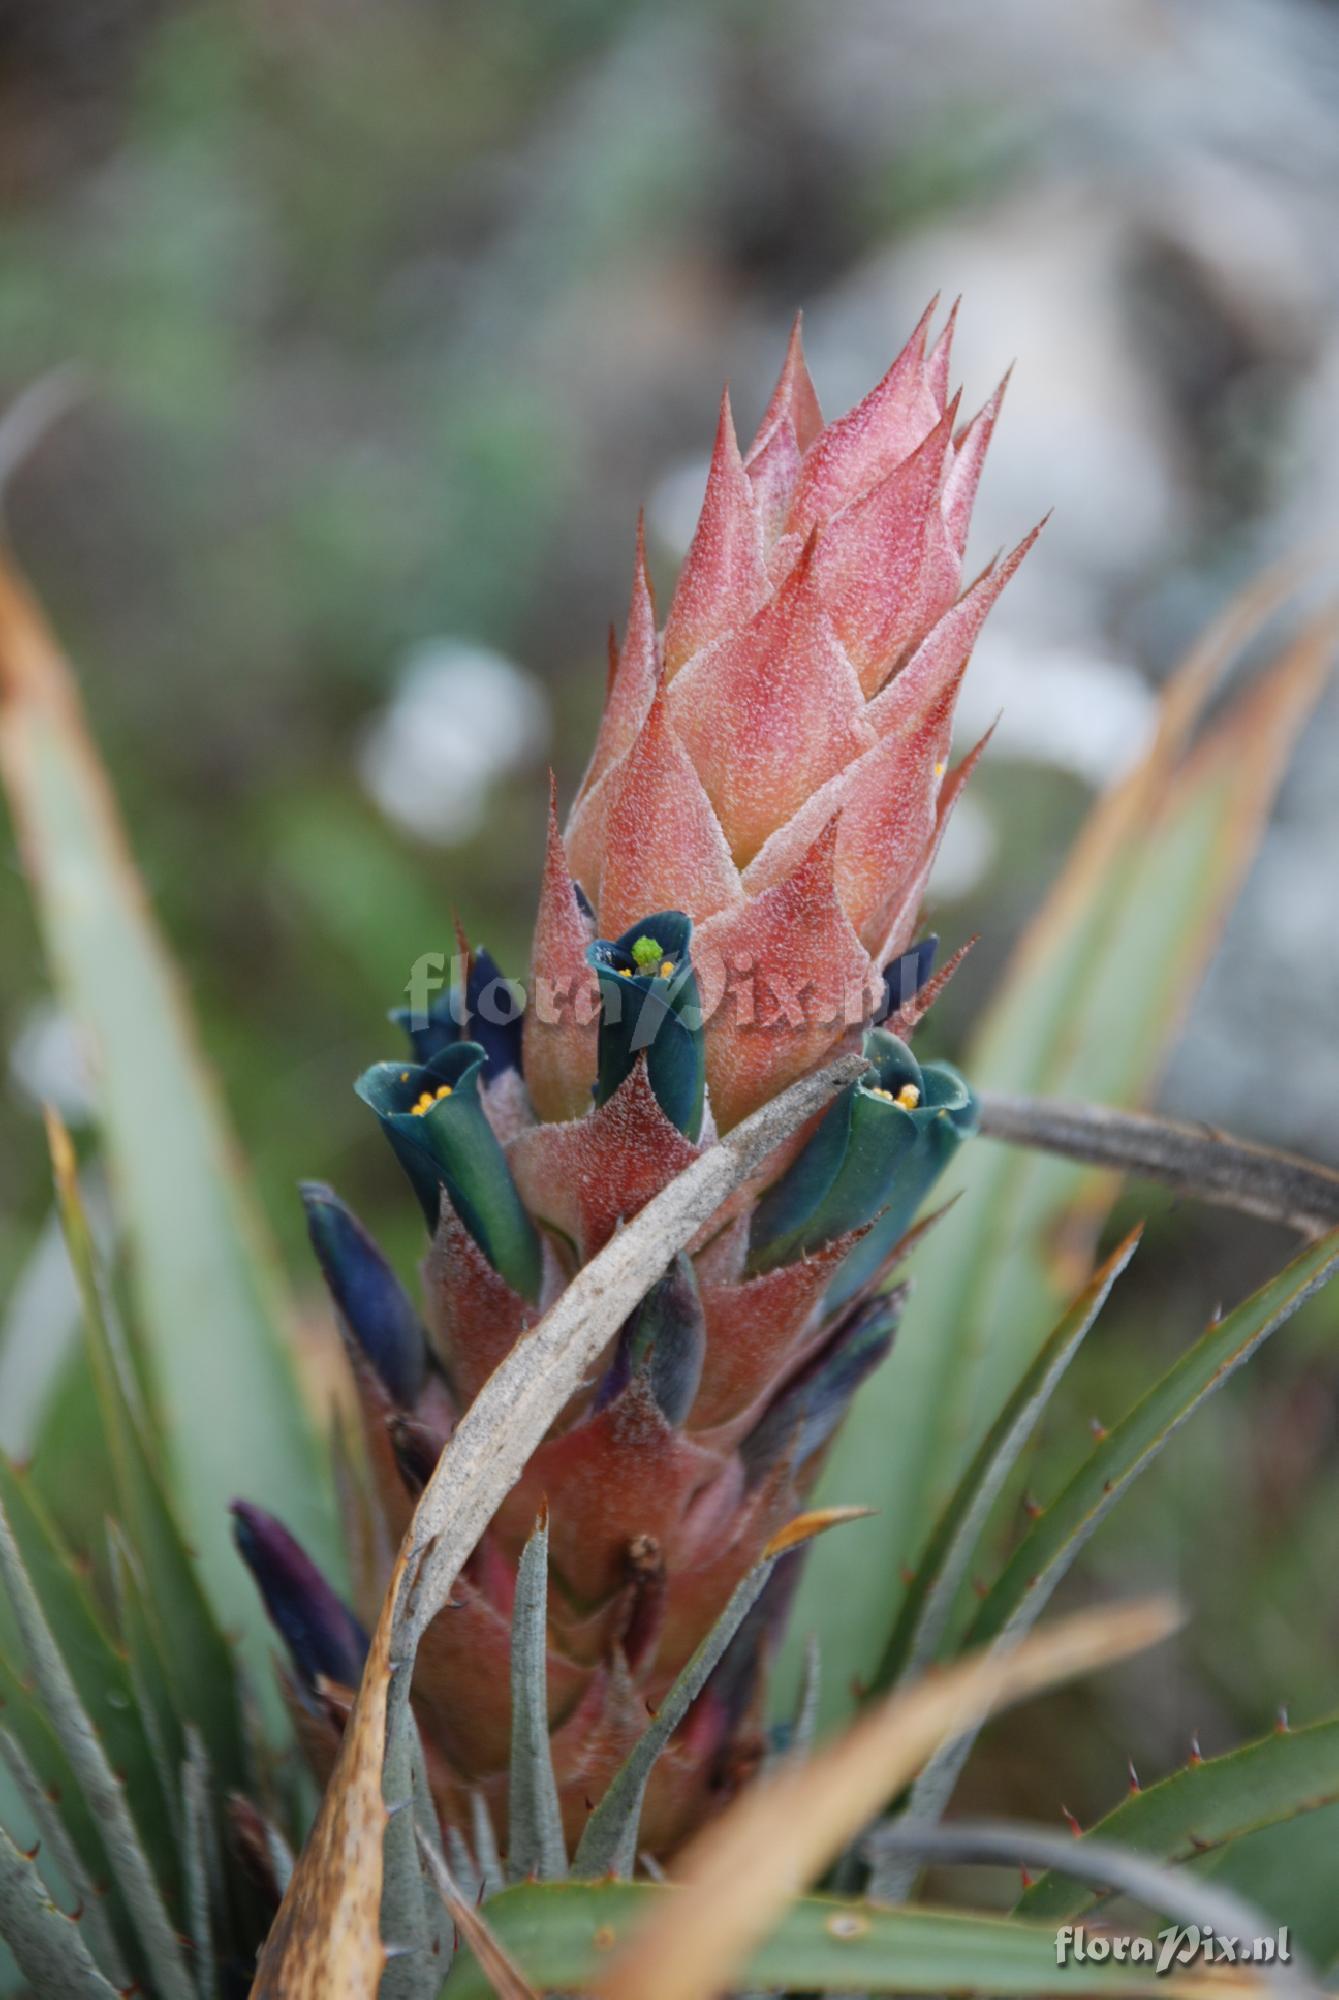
148 1675
562 1933
103 1790
206 1283
410 1971
48 1947
48 1813
25 1720
534 1819
428 1830
608 1844
488 1862
930 1597
1061 1530
197 1843
90 1656
1287 1871
1086 1010
1205 1805
199 1665
1045 1553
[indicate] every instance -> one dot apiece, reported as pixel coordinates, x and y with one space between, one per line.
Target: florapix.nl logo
1177 1946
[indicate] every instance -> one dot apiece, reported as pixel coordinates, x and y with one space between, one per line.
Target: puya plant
667 1203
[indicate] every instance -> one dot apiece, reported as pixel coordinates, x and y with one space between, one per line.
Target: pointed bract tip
372 1304
324 1639
806 1527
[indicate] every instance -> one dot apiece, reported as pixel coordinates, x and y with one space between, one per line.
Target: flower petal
371 1301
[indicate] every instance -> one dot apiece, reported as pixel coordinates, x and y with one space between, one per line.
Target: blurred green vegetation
387 318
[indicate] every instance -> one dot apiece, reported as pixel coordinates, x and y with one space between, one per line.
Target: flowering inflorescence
767 792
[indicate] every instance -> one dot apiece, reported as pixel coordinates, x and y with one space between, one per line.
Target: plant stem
1197 1160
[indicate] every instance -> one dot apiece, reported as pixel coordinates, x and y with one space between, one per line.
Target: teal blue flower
874 1158
649 1005
437 1126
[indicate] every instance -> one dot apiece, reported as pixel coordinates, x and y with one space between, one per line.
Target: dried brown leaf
739 1875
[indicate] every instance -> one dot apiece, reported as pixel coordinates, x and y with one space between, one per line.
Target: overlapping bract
735 898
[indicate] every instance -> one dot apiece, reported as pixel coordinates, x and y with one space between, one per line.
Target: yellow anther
940 768
877 1090
404 1076
429 1098
667 969
908 1097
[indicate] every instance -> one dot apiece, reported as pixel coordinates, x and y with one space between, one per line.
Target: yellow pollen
908 1097
623 971
431 1097
940 769
667 969
404 1076
877 1090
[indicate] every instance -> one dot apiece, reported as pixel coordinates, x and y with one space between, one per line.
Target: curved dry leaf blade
511 1413
741 1872
326 1940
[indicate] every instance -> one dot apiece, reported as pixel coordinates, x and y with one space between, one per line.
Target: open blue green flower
435 1121
649 1005
487 1010
874 1158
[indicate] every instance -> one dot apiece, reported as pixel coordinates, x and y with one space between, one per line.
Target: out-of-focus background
340 341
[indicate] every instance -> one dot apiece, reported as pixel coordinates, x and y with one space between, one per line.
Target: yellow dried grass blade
740 1874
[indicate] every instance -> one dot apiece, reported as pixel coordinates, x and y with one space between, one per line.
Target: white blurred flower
48 1063
461 717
